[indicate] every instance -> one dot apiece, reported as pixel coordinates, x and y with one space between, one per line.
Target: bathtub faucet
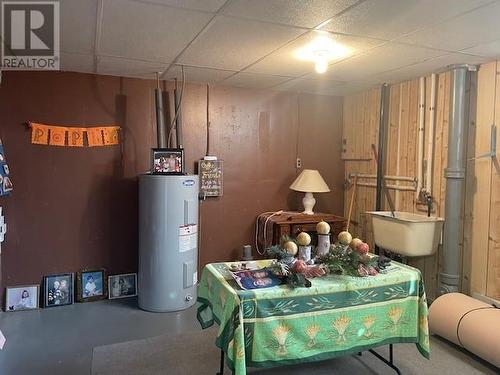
426 198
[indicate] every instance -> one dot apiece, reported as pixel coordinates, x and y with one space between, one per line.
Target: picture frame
168 161
59 290
91 285
22 298
122 286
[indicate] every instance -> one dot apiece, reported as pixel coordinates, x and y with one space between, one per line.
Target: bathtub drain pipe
449 277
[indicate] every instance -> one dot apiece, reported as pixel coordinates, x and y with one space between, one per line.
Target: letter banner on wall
42 134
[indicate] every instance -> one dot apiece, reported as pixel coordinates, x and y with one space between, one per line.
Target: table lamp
309 181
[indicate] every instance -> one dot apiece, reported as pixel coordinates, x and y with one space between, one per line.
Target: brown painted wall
77 207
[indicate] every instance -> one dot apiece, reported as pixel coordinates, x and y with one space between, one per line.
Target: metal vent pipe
160 119
178 119
449 277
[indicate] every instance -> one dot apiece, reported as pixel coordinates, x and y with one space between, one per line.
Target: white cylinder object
305 253
323 245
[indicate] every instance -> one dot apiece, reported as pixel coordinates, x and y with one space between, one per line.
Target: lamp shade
310 181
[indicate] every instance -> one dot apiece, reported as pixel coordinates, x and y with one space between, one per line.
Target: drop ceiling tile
322 86
283 61
76 62
479 26
197 74
78 25
116 66
150 32
303 13
230 43
389 19
381 59
434 65
204 5
252 80
491 49
310 85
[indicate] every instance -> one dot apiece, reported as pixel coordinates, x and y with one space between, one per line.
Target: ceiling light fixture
322 50
321 63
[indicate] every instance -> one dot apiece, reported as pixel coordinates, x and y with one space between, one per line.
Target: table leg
221 370
389 362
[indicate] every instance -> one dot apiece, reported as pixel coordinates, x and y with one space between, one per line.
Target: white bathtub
407 234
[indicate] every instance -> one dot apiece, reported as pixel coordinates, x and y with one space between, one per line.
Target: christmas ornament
303 239
291 247
345 237
323 227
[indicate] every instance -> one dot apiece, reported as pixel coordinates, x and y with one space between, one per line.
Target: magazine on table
256 279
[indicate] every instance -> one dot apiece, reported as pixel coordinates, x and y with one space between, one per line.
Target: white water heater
168 242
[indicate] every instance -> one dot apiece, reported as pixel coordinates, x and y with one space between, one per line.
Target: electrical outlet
298 163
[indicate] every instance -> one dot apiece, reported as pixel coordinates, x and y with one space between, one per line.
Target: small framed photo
22 298
7 184
91 285
121 286
58 290
167 161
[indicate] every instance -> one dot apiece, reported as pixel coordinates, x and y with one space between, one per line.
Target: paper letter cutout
94 137
57 136
110 135
39 134
75 137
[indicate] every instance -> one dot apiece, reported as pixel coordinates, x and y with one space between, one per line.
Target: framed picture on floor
58 290
91 285
122 286
24 297
167 161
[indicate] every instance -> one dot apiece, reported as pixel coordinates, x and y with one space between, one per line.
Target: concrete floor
59 340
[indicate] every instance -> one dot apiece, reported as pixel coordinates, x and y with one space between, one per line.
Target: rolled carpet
469 323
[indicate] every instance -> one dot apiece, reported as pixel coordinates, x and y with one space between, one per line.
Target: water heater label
188 237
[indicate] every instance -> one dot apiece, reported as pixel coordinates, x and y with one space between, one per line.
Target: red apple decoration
300 266
362 248
354 243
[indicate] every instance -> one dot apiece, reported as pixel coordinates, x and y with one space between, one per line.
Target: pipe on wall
421 123
449 277
430 146
178 119
382 142
160 120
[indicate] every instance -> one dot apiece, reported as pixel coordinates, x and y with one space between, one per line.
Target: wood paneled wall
360 131
482 205
77 208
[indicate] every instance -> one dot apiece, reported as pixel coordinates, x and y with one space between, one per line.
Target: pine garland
343 260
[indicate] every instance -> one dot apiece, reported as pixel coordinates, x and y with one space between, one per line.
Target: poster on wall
52 135
211 177
5 181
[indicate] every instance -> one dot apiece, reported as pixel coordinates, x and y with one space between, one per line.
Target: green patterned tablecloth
338 315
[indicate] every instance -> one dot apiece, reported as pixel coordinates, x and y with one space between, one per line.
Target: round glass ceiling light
322 50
